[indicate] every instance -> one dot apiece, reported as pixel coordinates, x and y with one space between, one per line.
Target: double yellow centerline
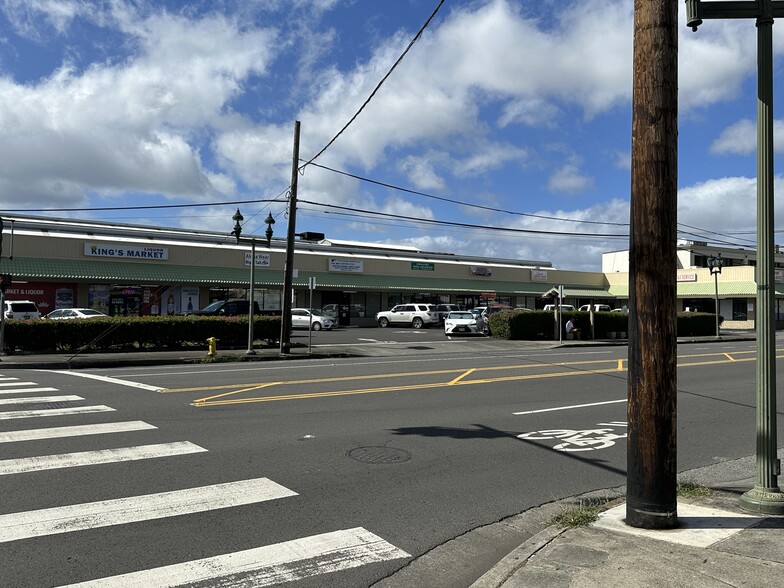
460 377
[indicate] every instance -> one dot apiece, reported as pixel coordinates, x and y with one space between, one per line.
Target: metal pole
251 297
310 313
716 284
2 322
765 496
288 273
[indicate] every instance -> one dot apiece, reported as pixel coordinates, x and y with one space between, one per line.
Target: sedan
75 313
301 319
463 323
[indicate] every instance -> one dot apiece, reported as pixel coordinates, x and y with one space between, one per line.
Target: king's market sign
125 251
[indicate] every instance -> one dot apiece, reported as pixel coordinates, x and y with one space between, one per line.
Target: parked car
552 307
444 309
417 315
494 308
75 313
233 307
21 309
596 308
463 322
301 319
478 310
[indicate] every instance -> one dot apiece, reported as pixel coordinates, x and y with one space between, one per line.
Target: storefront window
739 312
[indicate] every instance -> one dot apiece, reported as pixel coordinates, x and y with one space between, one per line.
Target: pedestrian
572 330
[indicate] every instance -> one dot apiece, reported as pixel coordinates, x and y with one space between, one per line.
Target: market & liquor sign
124 251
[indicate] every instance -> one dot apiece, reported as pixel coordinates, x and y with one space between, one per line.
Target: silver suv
414 314
20 309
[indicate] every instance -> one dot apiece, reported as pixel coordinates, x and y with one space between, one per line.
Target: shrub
135 333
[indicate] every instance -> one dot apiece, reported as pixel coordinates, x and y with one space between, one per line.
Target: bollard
212 343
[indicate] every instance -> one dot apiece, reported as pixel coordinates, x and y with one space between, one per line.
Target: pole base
764 500
250 352
651 519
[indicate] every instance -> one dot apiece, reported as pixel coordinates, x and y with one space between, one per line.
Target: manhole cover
379 455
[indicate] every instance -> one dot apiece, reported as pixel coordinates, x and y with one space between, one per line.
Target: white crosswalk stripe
16 383
78 517
40 399
265 566
27 390
101 456
53 412
74 431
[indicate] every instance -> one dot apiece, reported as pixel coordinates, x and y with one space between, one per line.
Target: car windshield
317 313
91 312
213 306
24 307
461 315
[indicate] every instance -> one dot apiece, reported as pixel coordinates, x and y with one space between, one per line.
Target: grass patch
689 490
581 515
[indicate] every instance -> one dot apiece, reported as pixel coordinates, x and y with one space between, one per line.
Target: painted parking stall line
74 431
120 511
289 561
102 456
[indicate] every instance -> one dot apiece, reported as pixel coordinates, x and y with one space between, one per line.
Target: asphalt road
355 465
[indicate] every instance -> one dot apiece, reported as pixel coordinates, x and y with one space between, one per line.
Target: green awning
727 289
128 273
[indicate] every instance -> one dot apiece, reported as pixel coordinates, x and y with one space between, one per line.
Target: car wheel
383 322
316 326
417 323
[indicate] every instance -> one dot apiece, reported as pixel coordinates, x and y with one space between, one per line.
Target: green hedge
521 325
135 333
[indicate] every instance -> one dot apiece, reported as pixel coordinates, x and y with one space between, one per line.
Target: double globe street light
237 231
715 263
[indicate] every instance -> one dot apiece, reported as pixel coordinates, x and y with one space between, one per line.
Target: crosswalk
264 565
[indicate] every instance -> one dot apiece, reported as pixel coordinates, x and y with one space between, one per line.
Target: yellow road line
460 377
722 358
455 382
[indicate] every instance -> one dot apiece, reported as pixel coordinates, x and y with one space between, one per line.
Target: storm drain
379 455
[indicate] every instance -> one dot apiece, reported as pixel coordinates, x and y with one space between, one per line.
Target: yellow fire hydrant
212 342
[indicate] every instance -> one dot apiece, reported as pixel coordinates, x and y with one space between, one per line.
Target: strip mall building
141 270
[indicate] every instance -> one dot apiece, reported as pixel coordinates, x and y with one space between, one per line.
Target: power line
373 93
147 207
467 225
469 204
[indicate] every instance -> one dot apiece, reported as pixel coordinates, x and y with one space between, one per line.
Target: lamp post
715 264
238 218
766 496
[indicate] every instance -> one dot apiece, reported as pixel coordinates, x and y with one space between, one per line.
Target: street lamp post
238 218
766 496
715 264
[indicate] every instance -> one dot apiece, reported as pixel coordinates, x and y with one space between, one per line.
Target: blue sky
502 107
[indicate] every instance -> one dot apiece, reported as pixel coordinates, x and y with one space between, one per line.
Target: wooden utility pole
651 455
288 270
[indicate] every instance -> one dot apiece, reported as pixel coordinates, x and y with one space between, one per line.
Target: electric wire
376 89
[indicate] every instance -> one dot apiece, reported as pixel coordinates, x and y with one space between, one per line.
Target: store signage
126 251
346 265
687 277
262 259
480 270
778 275
423 266
538 276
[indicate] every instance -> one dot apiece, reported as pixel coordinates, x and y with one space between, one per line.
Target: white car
463 322
564 307
301 319
20 309
75 313
417 315
596 308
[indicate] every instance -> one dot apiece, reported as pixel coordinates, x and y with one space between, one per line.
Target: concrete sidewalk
717 544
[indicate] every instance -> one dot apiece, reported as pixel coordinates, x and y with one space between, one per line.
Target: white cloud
421 173
741 138
568 179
